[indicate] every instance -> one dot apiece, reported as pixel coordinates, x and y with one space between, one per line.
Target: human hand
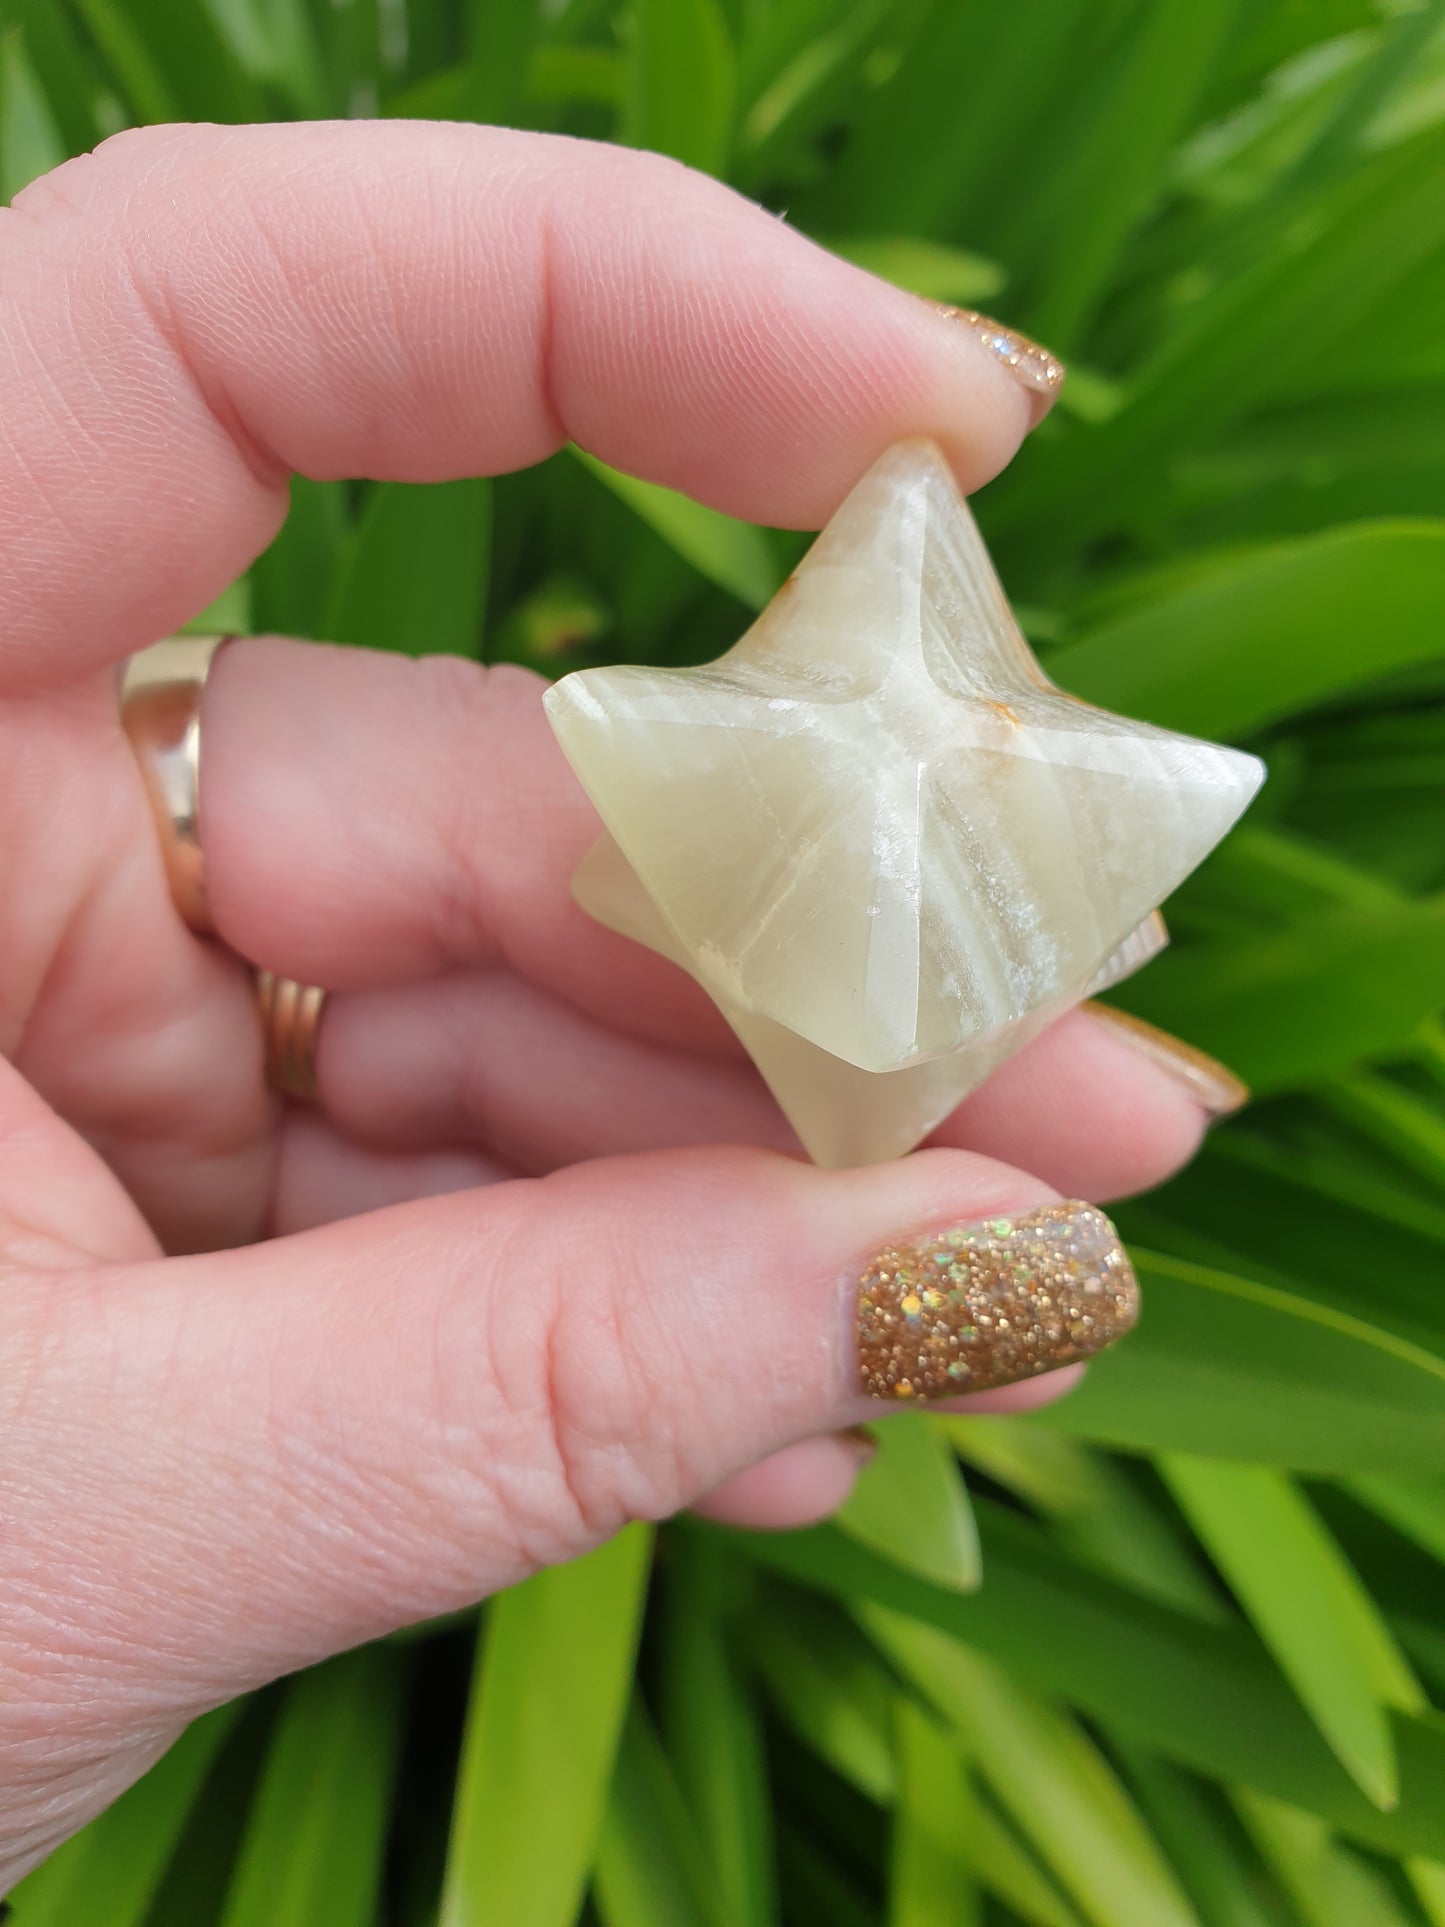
317 1426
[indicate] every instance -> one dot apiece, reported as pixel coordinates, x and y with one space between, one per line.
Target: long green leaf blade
712 1731
1249 638
415 576
1308 1606
650 1864
1220 1364
1315 286
1329 1885
1137 109
30 142
313 1845
1415 1507
1058 1788
109 1874
732 554
543 1728
1208 1697
1092 1503
931 1882
1291 1007
57 60
681 82
911 1504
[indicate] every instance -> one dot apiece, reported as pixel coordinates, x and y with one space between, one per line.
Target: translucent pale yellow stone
886 845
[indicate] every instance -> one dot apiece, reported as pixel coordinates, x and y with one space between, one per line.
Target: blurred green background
1175 1652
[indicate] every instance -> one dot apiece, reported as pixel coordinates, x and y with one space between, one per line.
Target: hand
219 1466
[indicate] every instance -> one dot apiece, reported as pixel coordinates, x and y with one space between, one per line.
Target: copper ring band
290 1023
160 710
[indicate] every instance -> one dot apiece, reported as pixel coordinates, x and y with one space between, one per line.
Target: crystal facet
884 842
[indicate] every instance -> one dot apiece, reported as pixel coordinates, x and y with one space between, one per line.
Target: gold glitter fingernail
1212 1085
987 1304
1025 360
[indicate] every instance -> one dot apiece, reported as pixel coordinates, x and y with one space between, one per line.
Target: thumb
235 1463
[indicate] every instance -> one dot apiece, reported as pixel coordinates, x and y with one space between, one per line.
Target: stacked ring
160 710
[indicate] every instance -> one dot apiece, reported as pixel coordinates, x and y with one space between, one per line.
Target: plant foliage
1201 1679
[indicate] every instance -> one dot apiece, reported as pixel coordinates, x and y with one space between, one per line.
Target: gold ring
290 1022
160 711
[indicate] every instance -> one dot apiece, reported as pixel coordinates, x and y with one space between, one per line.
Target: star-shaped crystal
884 842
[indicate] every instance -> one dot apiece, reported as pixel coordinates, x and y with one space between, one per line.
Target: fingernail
1212 1085
990 1303
1026 361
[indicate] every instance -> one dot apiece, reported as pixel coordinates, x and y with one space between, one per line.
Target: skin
243 1425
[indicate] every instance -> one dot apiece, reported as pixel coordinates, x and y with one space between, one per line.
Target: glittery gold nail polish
989 1303
1025 360
1212 1085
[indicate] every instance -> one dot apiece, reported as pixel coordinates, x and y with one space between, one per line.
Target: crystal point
875 832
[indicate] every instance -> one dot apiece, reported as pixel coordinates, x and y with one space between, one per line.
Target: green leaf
1254 637
1221 1365
275 42
830 1690
650 1864
1317 282
1415 1507
931 1880
291 581
414 576
131 66
1135 112
1308 1606
546 1714
1008 1870
1315 1224
1094 1506
313 1844
1367 93
1409 1126
1208 1697
1288 1009
501 33
808 92
193 1892
967 90
1224 1881
813 1887
926 268
1048 1774
108 1875
712 1731
175 52
911 1504
30 142
64 79
732 554
353 40
1329 1885
228 615
681 82
1427 1877
592 74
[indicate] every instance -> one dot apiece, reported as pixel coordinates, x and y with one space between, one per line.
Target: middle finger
487 1058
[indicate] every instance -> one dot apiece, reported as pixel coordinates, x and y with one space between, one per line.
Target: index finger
196 312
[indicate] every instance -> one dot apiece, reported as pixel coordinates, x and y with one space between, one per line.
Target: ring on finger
160 708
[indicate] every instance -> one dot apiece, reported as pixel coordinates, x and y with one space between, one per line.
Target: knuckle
462 707
568 1421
